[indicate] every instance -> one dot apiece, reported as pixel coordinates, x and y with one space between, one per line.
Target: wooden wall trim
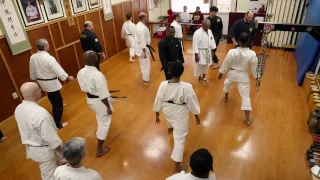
115 33
10 74
64 43
104 41
75 51
67 45
54 46
78 24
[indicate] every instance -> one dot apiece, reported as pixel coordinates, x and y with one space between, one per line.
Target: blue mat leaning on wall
307 48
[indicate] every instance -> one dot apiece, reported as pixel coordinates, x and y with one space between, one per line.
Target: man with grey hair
74 151
203 46
45 69
89 41
38 131
142 37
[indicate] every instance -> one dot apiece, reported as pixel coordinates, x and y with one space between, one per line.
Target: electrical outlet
14 95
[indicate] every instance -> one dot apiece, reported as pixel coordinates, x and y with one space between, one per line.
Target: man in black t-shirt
246 25
89 41
216 28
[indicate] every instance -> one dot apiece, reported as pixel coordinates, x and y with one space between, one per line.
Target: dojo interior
273 147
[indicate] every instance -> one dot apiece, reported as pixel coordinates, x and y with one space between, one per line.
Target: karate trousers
103 119
47 169
200 69
57 106
244 91
145 67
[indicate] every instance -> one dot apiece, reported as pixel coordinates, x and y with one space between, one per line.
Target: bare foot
249 121
170 130
225 99
62 162
64 124
145 83
181 168
215 65
3 138
131 60
103 151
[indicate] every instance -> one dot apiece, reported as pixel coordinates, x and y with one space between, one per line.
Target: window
177 5
224 5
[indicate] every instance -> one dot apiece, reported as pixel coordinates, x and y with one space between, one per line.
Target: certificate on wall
12 26
107 10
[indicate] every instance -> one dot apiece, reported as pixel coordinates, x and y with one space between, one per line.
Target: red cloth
197 17
170 17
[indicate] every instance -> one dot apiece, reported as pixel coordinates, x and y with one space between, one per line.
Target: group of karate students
174 98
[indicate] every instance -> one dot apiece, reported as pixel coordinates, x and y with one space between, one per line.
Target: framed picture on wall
30 12
54 9
78 6
94 4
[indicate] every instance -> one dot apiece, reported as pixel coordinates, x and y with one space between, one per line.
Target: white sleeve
195 43
102 87
33 74
192 101
226 63
253 64
56 68
122 32
159 100
48 133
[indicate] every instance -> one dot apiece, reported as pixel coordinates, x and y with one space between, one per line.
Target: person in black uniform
89 41
246 25
170 51
216 28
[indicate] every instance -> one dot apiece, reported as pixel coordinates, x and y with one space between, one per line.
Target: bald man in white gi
203 46
127 33
176 98
94 83
38 131
238 61
45 69
142 37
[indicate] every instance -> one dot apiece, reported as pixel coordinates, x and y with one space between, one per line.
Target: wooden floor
273 148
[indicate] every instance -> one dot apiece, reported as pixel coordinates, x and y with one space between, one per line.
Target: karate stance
38 131
127 33
94 83
203 46
74 151
175 98
238 61
45 69
142 37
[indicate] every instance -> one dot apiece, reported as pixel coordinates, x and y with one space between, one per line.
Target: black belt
129 34
171 102
47 79
92 96
232 69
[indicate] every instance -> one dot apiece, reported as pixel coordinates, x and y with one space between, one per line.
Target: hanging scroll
107 10
12 27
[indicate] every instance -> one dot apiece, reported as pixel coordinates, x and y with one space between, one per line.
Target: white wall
244 5
117 1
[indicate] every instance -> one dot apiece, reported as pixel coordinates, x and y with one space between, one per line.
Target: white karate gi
39 134
142 38
45 66
68 173
178 28
183 176
92 81
127 33
31 12
184 17
177 114
239 60
202 44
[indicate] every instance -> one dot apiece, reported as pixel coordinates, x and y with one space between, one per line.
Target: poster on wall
94 4
13 28
151 4
54 9
30 12
78 6
107 10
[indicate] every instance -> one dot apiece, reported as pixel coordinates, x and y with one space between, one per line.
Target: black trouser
1 135
57 107
217 38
